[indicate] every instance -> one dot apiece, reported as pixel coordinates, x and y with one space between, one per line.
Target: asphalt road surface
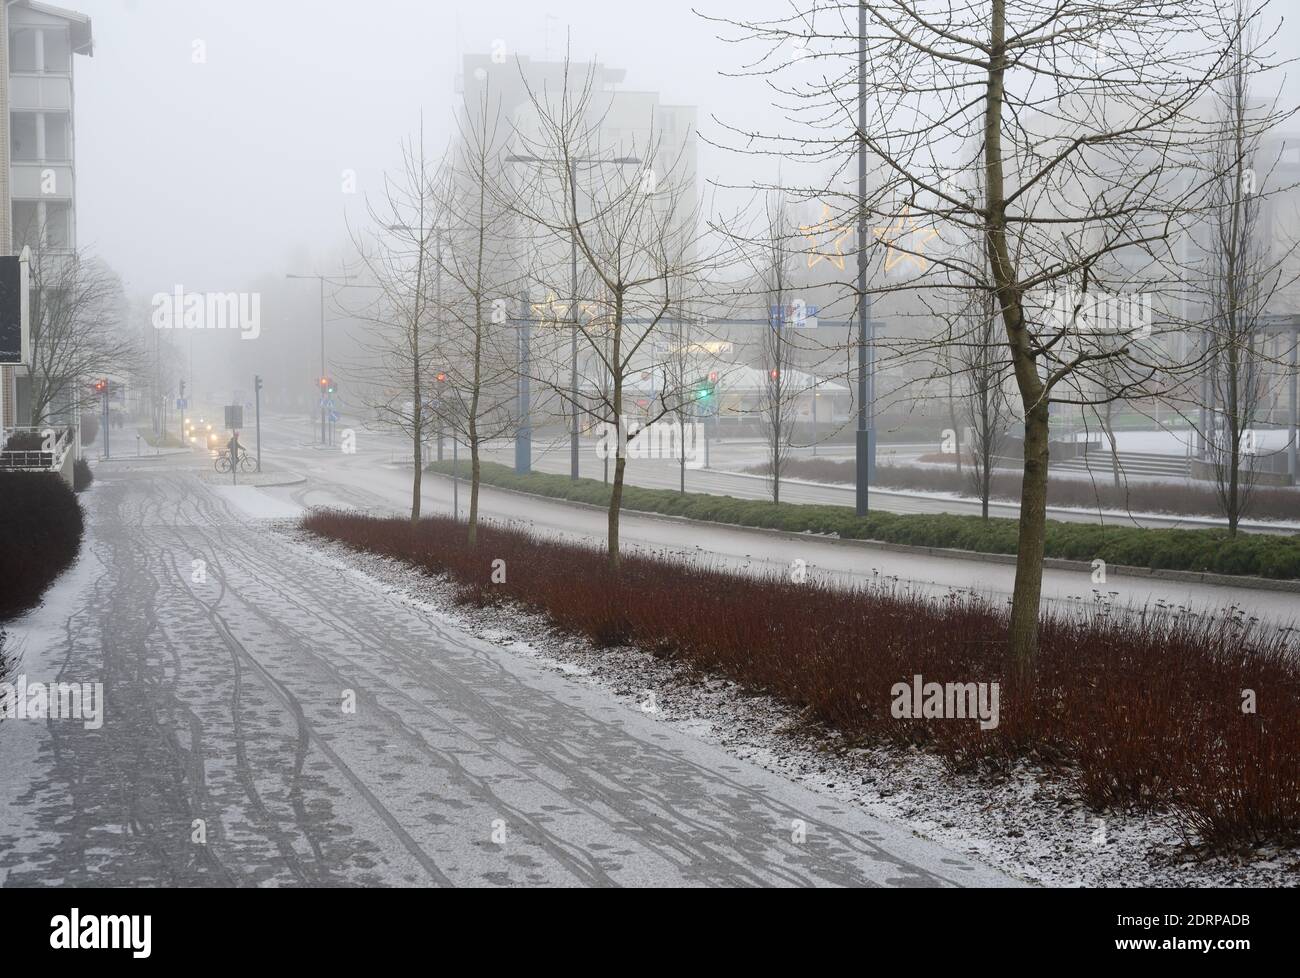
378 476
227 756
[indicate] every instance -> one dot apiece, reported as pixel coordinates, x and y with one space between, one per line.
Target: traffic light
331 387
441 376
101 386
774 374
706 387
257 383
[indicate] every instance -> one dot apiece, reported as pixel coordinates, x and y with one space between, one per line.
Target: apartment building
37 158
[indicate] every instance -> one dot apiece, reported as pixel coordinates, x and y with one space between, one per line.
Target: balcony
38 450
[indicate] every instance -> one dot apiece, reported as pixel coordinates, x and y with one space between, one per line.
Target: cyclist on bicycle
232 447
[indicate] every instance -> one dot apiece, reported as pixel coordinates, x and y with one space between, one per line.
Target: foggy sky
224 175
209 175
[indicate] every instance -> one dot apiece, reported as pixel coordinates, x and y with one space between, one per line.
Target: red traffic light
441 376
713 376
324 381
101 386
774 374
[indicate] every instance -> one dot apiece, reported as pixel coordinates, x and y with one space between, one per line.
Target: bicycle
245 462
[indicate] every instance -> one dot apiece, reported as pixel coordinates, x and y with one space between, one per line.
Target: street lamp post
323 279
524 432
865 449
573 164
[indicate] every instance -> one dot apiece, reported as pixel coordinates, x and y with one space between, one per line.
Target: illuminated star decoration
826 226
554 311
906 225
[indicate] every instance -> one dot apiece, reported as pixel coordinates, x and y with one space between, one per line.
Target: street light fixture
573 163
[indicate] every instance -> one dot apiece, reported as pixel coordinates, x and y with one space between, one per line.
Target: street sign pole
524 432
257 408
107 453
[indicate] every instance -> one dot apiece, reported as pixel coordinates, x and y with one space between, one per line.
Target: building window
23 42
58 225
58 145
22 136
27 225
58 51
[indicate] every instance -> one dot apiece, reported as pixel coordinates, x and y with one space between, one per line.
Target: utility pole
342 279
322 357
573 163
524 432
257 414
573 346
865 449
180 406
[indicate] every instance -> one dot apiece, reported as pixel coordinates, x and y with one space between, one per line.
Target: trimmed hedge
40 533
1209 550
82 477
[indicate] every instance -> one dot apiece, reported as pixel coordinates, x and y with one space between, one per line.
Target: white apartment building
37 171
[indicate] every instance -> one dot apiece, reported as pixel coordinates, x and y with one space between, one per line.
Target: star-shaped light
905 226
554 311
545 312
826 226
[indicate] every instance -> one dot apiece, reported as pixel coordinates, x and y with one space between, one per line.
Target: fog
214 139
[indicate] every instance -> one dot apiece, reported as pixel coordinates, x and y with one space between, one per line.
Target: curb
1055 563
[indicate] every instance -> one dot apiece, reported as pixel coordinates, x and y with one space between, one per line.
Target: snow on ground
1030 823
258 504
33 645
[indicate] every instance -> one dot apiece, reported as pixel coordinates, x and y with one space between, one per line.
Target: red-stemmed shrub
1142 709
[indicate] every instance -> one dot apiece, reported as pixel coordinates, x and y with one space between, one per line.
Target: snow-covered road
276 718
370 479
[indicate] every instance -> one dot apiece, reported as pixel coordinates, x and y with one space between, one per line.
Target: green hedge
1212 550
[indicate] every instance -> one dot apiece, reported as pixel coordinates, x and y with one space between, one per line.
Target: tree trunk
1022 635
1109 430
474 474
1234 423
474 468
776 447
615 502
620 460
417 438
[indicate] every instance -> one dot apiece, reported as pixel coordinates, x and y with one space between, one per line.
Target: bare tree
985 408
77 329
634 230
681 371
1084 119
400 255
774 265
1243 275
480 278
